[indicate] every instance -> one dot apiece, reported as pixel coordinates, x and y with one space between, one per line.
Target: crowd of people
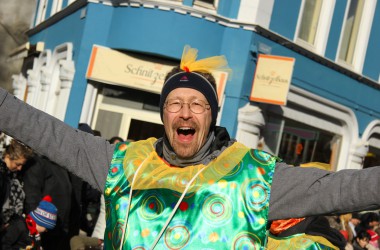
44 205
195 187
360 230
76 219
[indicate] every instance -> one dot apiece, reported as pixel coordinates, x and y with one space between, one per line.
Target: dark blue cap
195 81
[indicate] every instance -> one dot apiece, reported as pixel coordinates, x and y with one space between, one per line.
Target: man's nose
185 111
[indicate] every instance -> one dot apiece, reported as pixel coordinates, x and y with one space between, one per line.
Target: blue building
103 61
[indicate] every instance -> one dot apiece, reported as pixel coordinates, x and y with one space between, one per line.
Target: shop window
297 143
372 159
141 130
314 24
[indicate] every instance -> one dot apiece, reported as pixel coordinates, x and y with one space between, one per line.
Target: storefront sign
272 79
135 70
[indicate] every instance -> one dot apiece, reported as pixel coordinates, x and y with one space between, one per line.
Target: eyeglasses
196 106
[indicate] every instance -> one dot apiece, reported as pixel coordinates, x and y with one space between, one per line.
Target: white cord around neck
175 208
171 215
129 204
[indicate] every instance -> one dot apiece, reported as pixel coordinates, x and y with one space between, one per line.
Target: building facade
103 63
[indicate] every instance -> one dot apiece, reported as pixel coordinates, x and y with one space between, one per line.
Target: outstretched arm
299 192
83 154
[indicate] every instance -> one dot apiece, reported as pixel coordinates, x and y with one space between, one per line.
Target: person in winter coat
12 194
26 233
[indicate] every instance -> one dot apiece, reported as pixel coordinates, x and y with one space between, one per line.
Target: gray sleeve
299 192
83 154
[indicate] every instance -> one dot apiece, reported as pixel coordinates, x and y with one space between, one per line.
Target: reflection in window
351 30
309 21
206 3
108 123
297 143
142 130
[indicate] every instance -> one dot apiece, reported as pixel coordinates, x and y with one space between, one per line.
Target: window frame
56 7
200 3
41 13
362 37
322 30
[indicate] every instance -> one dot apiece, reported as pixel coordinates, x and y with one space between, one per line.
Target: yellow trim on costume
155 173
301 241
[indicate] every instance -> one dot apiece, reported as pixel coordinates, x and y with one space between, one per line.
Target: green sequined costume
226 206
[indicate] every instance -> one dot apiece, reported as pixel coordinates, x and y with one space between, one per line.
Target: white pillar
250 122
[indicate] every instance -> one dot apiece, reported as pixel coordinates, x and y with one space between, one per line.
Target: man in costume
194 187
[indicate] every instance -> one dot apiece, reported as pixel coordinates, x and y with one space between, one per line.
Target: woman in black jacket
11 191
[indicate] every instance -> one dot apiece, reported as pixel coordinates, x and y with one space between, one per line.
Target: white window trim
371 129
256 12
19 86
56 7
56 104
323 30
52 80
210 8
34 78
41 13
89 104
207 5
363 36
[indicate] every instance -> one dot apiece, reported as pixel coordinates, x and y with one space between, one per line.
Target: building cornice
209 15
57 17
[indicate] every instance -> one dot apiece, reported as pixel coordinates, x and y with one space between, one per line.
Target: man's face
185 130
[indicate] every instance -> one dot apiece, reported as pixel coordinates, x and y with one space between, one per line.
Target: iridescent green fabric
225 208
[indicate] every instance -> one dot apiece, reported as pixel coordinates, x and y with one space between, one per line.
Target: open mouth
185 133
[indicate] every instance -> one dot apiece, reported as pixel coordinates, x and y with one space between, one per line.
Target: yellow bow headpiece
207 65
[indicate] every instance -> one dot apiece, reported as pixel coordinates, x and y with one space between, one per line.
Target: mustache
180 124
